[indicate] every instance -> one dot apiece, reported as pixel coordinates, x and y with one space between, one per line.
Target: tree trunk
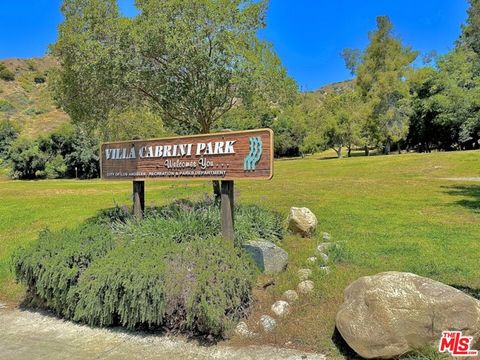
367 151
216 191
399 148
349 154
339 152
387 148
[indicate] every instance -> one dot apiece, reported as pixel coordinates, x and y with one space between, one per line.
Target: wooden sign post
225 156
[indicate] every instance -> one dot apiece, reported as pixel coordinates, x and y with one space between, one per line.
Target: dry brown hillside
26 101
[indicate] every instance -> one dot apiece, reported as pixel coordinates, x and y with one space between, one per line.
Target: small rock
268 323
326 236
290 295
324 247
242 330
281 308
304 274
305 287
312 259
269 257
302 221
323 256
325 269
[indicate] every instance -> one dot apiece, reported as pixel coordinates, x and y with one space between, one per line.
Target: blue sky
308 35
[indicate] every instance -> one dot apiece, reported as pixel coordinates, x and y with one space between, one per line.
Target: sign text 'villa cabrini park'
221 156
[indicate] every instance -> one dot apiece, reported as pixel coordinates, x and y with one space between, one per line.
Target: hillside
29 104
27 101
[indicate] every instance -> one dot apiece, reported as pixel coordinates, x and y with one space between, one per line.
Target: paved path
34 335
473 179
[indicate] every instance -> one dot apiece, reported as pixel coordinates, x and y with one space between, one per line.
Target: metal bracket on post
227 218
138 199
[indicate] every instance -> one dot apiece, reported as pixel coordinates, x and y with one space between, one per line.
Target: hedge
170 270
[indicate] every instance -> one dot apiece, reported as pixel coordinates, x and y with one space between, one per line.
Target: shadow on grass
347 352
470 191
468 290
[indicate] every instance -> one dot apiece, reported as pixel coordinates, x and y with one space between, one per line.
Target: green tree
458 96
337 124
188 61
382 83
471 30
8 134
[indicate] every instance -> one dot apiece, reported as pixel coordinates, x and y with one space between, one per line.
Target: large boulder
269 257
302 221
391 313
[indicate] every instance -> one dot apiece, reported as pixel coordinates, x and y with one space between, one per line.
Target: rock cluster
271 259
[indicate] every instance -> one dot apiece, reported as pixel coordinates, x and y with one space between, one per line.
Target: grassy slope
394 213
27 104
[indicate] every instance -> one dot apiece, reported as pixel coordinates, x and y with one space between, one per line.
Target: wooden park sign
226 156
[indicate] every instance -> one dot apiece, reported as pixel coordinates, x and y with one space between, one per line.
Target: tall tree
337 124
190 61
471 30
458 97
382 83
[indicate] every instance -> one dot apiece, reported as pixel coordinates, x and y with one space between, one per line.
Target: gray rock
326 236
304 274
302 221
281 308
392 313
242 330
305 287
269 257
290 295
267 323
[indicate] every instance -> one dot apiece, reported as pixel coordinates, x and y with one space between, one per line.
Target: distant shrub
40 79
55 156
31 65
5 106
28 161
6 74
169 270
34 111
55 167
8 134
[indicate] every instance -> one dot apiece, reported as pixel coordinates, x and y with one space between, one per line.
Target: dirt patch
474 179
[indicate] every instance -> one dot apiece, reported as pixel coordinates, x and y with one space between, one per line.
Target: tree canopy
189 61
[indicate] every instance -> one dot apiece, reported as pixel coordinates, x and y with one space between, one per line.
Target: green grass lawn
395 212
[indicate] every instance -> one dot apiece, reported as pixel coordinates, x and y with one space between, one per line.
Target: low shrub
201 286
51 266
170 269
6 74
6 107
183 220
